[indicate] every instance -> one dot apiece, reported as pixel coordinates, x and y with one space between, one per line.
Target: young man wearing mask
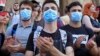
50 40
15 16
24 27
80 33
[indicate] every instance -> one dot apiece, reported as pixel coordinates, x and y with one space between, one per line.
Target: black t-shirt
2 37
81 31
77 32
39 23
3 52
56 36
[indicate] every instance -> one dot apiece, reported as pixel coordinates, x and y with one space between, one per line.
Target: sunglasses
3 13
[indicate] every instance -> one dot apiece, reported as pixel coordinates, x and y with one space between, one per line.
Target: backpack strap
33 29
63 37
14 29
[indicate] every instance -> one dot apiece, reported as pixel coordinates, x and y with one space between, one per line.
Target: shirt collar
30 25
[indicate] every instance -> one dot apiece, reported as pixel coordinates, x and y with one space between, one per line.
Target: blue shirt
22 34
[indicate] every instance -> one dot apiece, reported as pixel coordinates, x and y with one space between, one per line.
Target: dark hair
1 8
27 3
35 2
16 3
97 40
75 3
66 9
49 1
98 8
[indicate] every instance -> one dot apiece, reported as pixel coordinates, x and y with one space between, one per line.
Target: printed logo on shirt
75 37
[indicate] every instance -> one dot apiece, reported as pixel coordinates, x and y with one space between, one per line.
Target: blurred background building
61 3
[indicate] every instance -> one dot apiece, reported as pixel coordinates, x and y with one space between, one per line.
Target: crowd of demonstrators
31 30
14 13
51 41
89 19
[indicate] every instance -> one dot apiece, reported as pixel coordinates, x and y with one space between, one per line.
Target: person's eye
28 8
74 10
53 8
46 9
80 10
22 9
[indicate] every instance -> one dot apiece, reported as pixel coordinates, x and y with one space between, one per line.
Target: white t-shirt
15 19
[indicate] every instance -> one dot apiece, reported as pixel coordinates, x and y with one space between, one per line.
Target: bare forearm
29 53
94 51
69 51
56 52
22 50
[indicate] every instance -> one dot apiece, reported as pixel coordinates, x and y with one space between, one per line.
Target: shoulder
65 32
86 19
85 16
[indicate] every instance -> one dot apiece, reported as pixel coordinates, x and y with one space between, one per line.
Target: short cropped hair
75 3
49 1
27 3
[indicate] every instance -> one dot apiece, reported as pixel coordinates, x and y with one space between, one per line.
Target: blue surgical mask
76 16
25 14
50 15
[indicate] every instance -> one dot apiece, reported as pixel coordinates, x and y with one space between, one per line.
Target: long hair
86 10
98 8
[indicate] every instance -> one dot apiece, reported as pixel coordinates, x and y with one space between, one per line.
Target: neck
50 28
2 28
91 13
16 12
75 25
26 23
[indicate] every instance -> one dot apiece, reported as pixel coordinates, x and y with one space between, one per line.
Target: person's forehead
26 6
16 4
76 7
50 5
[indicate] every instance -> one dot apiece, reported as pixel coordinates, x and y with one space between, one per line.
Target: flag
2 2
